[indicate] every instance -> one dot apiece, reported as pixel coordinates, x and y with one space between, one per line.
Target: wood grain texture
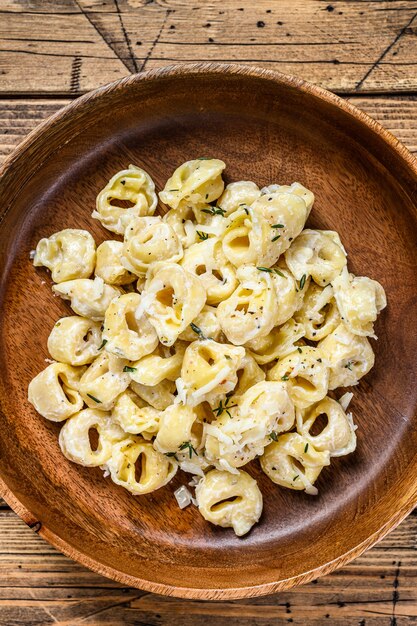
398 114
340 156
72 46
38 585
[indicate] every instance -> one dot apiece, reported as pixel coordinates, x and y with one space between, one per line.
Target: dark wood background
54 50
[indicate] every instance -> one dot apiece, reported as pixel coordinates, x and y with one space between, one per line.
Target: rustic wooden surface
59 49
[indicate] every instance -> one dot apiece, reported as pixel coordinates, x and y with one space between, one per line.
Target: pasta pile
207 338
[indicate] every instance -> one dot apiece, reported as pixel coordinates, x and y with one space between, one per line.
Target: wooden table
52 51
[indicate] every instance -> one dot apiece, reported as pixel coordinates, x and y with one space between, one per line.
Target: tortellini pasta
278 343
172 298
75 442
181 222
89 298
55 392
306 374
293 462
158 396
69 254
108 265
75 340
103 381
229 500
138 467
207 261
209 371
207 339
316 253
134 415
246 237
149 239
348 356
206 324
252 309
244 427
337 435
360 300
163 364
239 194
199 181
179 431
319 313
128 334
128 194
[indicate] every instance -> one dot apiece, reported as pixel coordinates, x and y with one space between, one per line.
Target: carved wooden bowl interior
267 128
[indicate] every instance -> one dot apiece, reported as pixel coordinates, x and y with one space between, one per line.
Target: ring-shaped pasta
182 221
108 265
75 442
306 373
316 253
54 392
205 324
179 432
103 381
229 500
159 396
348 356
285 214
163 363
296 189
134 415
128 194
293 462
209 371
338 433
278 343
198 181
246 237
252 308
319 313
147 240
75 340
172 298
238 194
248 374
207 261
359 300
135 456
69 254
128 335
245 424
89 298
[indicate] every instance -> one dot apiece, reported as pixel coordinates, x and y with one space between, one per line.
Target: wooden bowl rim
17 506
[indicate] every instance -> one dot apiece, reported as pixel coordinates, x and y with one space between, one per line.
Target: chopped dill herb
214 210
103 343
127 368
187 445
93 398
203 236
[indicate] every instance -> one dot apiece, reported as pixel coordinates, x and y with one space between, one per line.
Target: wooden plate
268 128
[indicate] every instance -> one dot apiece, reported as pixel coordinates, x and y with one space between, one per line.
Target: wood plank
38 585
71 46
